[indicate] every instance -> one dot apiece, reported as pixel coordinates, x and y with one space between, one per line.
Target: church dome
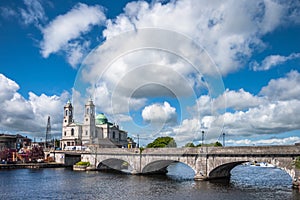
101 119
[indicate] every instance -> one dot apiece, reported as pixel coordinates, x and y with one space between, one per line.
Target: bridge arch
115 164
160 166
223 170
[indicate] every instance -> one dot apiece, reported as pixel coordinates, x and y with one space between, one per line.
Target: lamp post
223 139
202 138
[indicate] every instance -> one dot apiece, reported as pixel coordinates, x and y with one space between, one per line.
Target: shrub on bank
81 163
297 162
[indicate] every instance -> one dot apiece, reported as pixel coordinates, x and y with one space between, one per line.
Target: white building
95 130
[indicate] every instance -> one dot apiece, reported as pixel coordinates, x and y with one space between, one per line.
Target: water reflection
246 183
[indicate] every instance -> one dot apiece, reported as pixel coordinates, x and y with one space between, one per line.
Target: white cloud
272 61
272 141
230 40
29 116
274 111
238 100
34 13
76 51
188 131
285 88
60 33
141 64
160 113
8 12
8 88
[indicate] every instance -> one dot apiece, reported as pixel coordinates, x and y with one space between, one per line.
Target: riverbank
31 165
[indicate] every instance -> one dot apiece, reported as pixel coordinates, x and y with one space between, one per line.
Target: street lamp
223 139
202 138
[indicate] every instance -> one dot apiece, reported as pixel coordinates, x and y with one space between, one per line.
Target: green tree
217 144
189 144
162 142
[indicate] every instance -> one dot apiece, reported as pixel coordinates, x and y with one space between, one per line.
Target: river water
246 183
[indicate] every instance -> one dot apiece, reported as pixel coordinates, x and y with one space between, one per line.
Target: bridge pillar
201 168
296 181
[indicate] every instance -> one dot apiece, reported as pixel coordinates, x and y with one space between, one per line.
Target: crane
48 131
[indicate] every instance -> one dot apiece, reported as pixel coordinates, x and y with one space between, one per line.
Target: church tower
89 127
68 114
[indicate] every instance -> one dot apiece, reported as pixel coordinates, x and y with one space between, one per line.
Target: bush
297 162
81 163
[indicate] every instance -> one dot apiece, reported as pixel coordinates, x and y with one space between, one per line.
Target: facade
95 129
8 141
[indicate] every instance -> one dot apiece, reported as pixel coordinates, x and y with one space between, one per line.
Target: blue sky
157 68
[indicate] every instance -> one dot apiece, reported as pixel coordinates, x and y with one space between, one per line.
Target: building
8 141
95 129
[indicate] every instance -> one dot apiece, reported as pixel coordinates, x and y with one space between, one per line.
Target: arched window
72 132
88 111
114 135
66 112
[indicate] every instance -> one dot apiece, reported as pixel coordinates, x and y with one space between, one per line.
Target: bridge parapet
263 150
173 151
114 151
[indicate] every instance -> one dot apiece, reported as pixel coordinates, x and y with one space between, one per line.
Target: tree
217 144
189 144
162 142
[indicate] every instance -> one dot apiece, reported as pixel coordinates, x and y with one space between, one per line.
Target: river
246 183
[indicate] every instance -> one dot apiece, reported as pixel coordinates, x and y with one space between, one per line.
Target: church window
86 119
86 132
114 135
87 111
72 132
65 133
66 112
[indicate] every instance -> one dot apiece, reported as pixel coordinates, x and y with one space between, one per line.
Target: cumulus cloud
285 88
273 111
188 131
160 113
64 32
272 61
238 100
146 55
8 88
29 116
228 39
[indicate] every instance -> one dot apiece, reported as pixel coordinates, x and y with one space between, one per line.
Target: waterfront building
95 129
9 141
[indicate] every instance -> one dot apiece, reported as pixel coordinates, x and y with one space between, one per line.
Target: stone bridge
207 162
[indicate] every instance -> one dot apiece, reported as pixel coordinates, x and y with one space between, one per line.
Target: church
95 130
